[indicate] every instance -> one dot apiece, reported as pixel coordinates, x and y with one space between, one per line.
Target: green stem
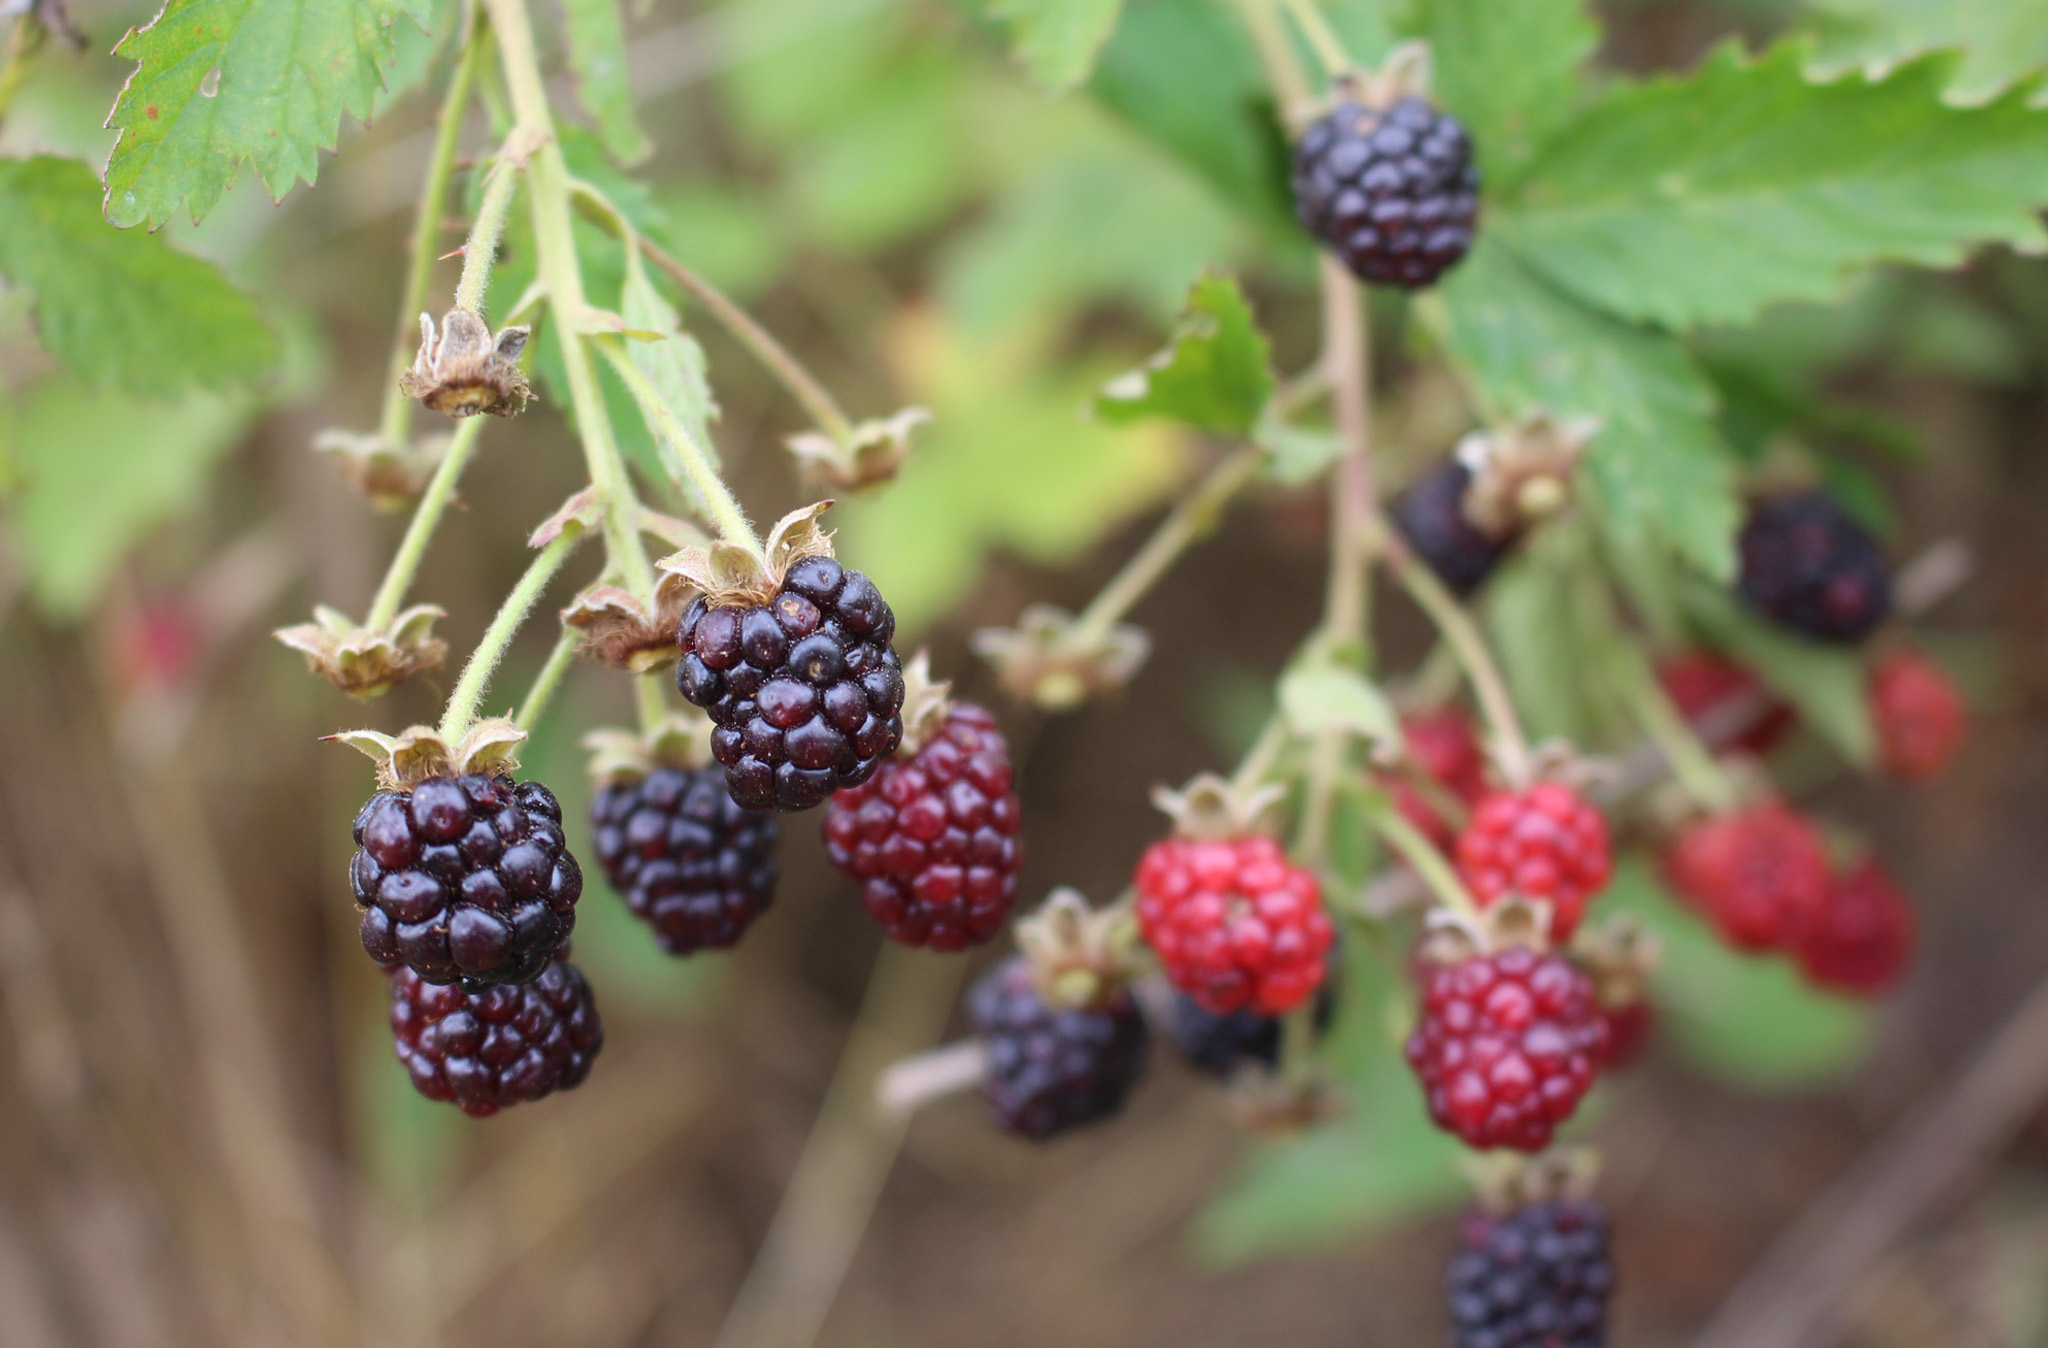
1257 763
1695 767
1269 36
1422 855
726 515
1298 1044
480 249
1315 26
786 368
483 661
1455 623
426 517
650 695
548 680
426 233
1195 517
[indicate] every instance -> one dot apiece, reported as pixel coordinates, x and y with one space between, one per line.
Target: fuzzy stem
1691 762
1315 26
1462 634
648 696
1423 857
483 661
1269 35
1257 763
426 517
1194 518
548 680
426 232
786 368
480 249
726 515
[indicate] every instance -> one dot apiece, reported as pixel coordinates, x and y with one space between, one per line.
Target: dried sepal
584 510
1619 955
461 369
418 752
1080 957
1407 72
734 575
365 661
1506 1180
614 628
1522 474
1267 1104
926 704
1452 937
1042 660
871 454
678 740
390 475
1210 806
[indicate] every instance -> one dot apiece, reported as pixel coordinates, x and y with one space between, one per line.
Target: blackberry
805 691
1052 1068
1807 566
1393 191
932 838
1430 515
465 878
1219 1044
1538 1277
691 863
482 1051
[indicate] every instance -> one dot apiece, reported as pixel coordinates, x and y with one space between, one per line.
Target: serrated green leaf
1216 373
1547 674
1708 197
1319 697
1826 683
122 308
1058 40
1657 470
2000 41
597 53
220 83
1509 72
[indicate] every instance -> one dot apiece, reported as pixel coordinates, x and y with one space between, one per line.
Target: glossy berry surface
1759 874
1444 747
931 839
1430 515
1863 938
1547 843
1709 690
1233 923
1919 717
1392 191
1808 567
689 860
465 878
1538 1277
484 1051
1507 1046
805 692
1049 1069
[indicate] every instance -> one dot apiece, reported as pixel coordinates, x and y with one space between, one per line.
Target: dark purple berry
1538 1277
691 863
1220 1044
1392 191
483 1051
1431 515
1050 1069
465 879
1809 567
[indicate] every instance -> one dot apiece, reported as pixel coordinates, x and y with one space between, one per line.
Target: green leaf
1511 72
1300 454
675 366
1317 696
1058 40
1707 198
1547 674
1999 41
1657 470
597 53
220 83
121 308
1826 683
894 161
1216 373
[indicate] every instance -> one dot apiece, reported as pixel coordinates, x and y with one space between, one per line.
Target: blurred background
204 1138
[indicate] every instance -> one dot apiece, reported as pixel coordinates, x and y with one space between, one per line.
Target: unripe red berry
1863 937
1760 874
1547 843
1233 923
1919 716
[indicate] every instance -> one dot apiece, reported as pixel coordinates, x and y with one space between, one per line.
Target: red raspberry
932 839
1543 843
1760 873
1507 1046
1863 937
1233 923
1446 747
1918 714
1629 1027
1701 683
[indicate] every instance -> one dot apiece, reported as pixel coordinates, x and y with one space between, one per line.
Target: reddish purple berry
691 863
484 1051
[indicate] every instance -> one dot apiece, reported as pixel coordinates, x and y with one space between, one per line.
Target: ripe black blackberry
1538 1277
482 1051
1809 567
1050 1068
1219 1044
465 878
805 690
1393 191
1431 515
689 860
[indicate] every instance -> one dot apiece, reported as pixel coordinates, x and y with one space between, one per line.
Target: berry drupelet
1234 924
804 690
1808 567
691 862
1547 843
1863 938
1760 874
931 838
1051 1068
1430 515
1392 191
483 1051
1537 1277
465 878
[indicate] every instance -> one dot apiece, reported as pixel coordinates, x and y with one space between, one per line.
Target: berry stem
719 503
1298 1044
1195 517
1315 26
426 517
548 680
1422 856
1453 620
1269 35
1257 763
1695 767
786 368
483 661
648 695
426 232
480 249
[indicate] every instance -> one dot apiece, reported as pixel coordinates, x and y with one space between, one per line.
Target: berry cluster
1546 843
507 1045
1538 1276
1392 191
692 863
1233 923
1051 1068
